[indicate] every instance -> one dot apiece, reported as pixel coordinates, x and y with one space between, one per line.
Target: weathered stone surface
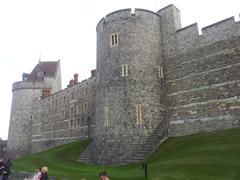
185 83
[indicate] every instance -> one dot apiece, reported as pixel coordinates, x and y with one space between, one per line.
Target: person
1 168
7 169
4 170
103 175
37 174
44 175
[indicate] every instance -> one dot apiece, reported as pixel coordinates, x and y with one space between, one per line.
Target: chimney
46 92
71 82
93 73
75 78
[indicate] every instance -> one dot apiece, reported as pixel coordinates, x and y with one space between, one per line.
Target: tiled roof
49 68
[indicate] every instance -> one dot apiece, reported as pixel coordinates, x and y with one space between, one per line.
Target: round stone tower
130 103
22 113
25 95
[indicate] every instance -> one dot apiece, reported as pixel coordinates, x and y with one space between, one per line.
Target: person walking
103 176
44 175
37 174
1 168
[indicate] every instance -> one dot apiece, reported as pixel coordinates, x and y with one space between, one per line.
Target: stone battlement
21 85
155 79
188 37
125 13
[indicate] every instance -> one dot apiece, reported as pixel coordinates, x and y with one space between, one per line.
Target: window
113 39
56 103
72 111
85 108
79 109
71 122
106 111
63 114
124 70
160 72
72 96
64 100
139 113
78 121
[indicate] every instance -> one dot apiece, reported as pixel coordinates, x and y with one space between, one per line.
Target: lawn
207 156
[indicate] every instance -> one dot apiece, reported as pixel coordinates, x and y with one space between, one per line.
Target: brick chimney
75 78
71 82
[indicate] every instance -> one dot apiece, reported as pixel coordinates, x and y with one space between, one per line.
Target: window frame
114 39
125 70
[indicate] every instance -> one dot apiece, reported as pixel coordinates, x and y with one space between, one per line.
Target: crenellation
154 80
187 37
218 31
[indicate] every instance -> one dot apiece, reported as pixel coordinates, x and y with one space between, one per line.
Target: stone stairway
151 144
87 156
134 155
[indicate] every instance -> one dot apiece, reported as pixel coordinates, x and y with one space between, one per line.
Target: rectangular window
71 122
78 121
72 111
160 72
124 70
139 114
64 99
106 111
79 109
56 103
72 96
85 108
114 39
63 114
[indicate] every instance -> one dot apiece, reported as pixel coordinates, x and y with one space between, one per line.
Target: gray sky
66 30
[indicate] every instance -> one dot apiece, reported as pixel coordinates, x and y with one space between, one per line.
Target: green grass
207 156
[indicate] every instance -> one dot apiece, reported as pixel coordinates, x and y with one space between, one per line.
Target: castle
154 80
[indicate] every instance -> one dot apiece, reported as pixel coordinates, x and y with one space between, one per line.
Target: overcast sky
66 30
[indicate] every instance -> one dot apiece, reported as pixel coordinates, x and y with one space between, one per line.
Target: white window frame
160 71
114 39
106 116
124 68
138 110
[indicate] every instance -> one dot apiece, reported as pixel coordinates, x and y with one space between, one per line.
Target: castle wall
3 147
170 22
64 116
203 88
140 49
26 95
154 67
188 38
19 135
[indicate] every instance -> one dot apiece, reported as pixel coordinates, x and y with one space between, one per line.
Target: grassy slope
208 156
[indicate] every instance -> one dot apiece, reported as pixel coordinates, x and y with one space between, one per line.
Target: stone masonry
154 80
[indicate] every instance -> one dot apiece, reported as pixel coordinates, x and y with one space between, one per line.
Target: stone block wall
139 48
203 88
64 116
19 135
188 38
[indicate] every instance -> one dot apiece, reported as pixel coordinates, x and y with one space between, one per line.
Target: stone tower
46 76
130 89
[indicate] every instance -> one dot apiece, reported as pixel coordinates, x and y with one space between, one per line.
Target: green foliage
207 156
